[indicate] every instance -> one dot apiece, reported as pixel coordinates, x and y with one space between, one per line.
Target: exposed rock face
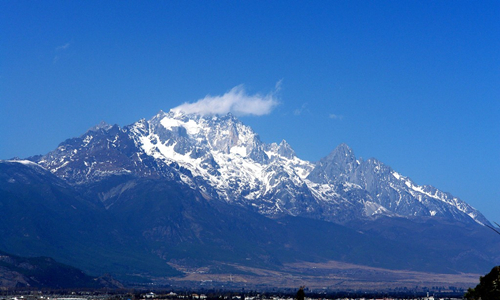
225 160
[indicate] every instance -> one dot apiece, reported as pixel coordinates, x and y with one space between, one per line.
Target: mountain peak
229 161
344 150
342 155
285 150
334 167
102 125
160 115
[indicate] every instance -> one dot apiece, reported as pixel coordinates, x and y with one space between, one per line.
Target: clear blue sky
415 84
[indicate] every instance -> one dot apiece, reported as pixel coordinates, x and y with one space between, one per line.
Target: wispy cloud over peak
335 117
301 110
236 101
59 51
63 47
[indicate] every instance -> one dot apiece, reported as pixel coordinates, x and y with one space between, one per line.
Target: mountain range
184 194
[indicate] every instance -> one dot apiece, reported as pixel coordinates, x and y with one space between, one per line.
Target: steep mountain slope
151 225
468 247
41 215
146 226
224 159
388 191
44 272
185 228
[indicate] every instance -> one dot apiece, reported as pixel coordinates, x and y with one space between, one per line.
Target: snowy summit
225 160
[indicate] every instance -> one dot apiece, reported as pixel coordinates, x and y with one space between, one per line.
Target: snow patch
23 162
191 126
239 150
396 175
372 208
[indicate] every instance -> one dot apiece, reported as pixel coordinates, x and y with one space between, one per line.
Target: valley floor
210 296
328 276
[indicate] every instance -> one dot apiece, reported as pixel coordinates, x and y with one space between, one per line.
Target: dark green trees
488 287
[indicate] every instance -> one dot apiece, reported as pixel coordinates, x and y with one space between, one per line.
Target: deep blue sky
415 84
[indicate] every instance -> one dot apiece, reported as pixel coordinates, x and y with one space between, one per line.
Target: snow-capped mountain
388 191
225 160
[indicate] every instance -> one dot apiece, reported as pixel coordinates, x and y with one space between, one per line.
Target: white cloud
59 52
63 47
335 117
236 101
302 109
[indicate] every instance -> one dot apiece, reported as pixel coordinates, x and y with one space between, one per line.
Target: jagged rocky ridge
225 160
